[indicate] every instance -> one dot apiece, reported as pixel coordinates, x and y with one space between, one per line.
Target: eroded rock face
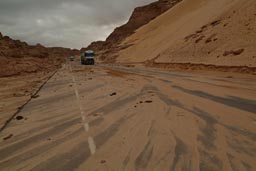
18 57
140 16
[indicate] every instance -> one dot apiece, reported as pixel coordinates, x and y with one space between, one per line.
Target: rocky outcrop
140 16
17 57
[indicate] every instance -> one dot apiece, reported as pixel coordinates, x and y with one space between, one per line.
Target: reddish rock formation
18 57
140 16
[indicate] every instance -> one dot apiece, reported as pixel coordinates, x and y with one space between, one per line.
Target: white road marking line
81 108
73 79
92 145
83 118
86 127
77 95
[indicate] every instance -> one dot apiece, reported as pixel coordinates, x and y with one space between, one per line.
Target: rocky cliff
17 57
140 16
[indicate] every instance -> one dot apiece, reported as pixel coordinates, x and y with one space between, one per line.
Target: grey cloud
62 22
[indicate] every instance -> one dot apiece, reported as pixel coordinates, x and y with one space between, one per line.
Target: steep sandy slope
140 16
219 32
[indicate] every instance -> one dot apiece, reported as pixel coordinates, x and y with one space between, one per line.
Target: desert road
113 118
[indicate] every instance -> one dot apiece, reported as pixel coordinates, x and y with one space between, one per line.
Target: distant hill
17 57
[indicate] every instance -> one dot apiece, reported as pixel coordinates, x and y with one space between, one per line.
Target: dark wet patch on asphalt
49 100
208 131
166 99
203 82
242 132
104 136
148 80
209 162
232 162
142 71
166 81
56 98
247 166
115 105
209 120
243 147
236 102
250 103
217 85
30 154
126 160
57 114
180 150
151 129
67 161
144 157
8 151
230 80
96 122
41 127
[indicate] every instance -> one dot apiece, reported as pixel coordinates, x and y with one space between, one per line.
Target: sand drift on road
119 118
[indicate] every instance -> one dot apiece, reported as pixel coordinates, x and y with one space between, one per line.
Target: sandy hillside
219 32
140 16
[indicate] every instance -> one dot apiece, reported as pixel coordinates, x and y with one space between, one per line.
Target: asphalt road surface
103 118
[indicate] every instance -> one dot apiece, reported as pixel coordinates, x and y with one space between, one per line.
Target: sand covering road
138 119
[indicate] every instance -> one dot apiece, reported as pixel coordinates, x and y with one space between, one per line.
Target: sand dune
219 32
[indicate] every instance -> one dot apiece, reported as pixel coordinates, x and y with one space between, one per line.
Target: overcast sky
66 23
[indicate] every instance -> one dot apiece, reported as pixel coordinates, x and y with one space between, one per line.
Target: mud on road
119 118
